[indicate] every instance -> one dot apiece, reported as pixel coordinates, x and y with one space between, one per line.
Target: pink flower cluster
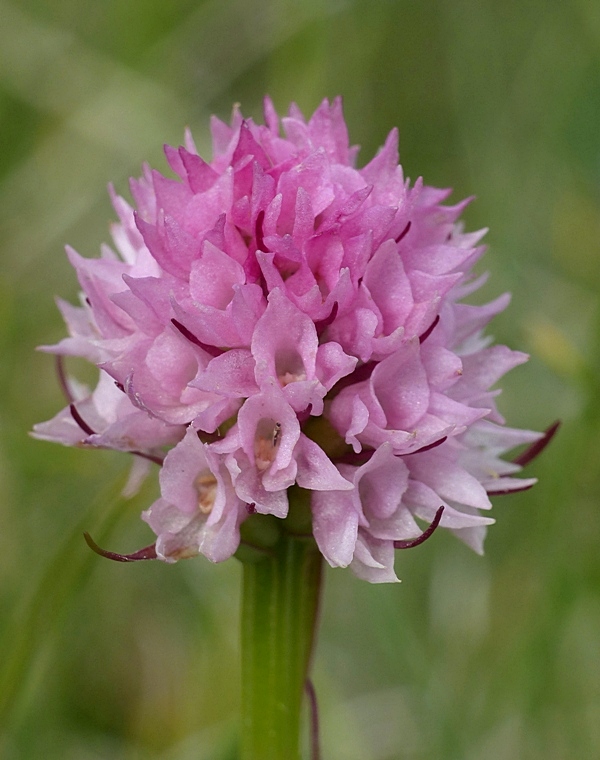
278 318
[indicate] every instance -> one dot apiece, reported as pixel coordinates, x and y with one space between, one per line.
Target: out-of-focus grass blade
30 636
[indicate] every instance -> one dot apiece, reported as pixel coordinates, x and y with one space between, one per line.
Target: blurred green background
469 658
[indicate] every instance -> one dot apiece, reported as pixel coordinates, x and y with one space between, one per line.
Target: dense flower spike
278 317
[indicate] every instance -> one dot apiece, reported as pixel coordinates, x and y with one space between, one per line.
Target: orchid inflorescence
278 319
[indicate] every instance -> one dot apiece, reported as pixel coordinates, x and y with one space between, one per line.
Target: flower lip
266 441
206 486
289 366
257 420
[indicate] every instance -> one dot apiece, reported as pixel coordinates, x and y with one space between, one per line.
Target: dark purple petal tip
507 491
62 378
211 350
429 330
80 421
424 536
404 232
429 446
536 448
322 324
148 552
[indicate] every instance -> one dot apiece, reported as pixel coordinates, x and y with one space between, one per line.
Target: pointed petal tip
148 552
536 448
427 533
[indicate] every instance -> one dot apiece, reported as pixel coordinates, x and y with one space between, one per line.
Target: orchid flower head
276 318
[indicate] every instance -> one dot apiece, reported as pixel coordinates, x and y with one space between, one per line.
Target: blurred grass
469 658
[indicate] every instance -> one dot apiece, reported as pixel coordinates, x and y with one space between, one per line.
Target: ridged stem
279 615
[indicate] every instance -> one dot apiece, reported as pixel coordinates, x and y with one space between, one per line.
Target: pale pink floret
199 511
274 286
291 359
373 507
109 421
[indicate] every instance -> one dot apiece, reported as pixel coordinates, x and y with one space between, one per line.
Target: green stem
279 615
